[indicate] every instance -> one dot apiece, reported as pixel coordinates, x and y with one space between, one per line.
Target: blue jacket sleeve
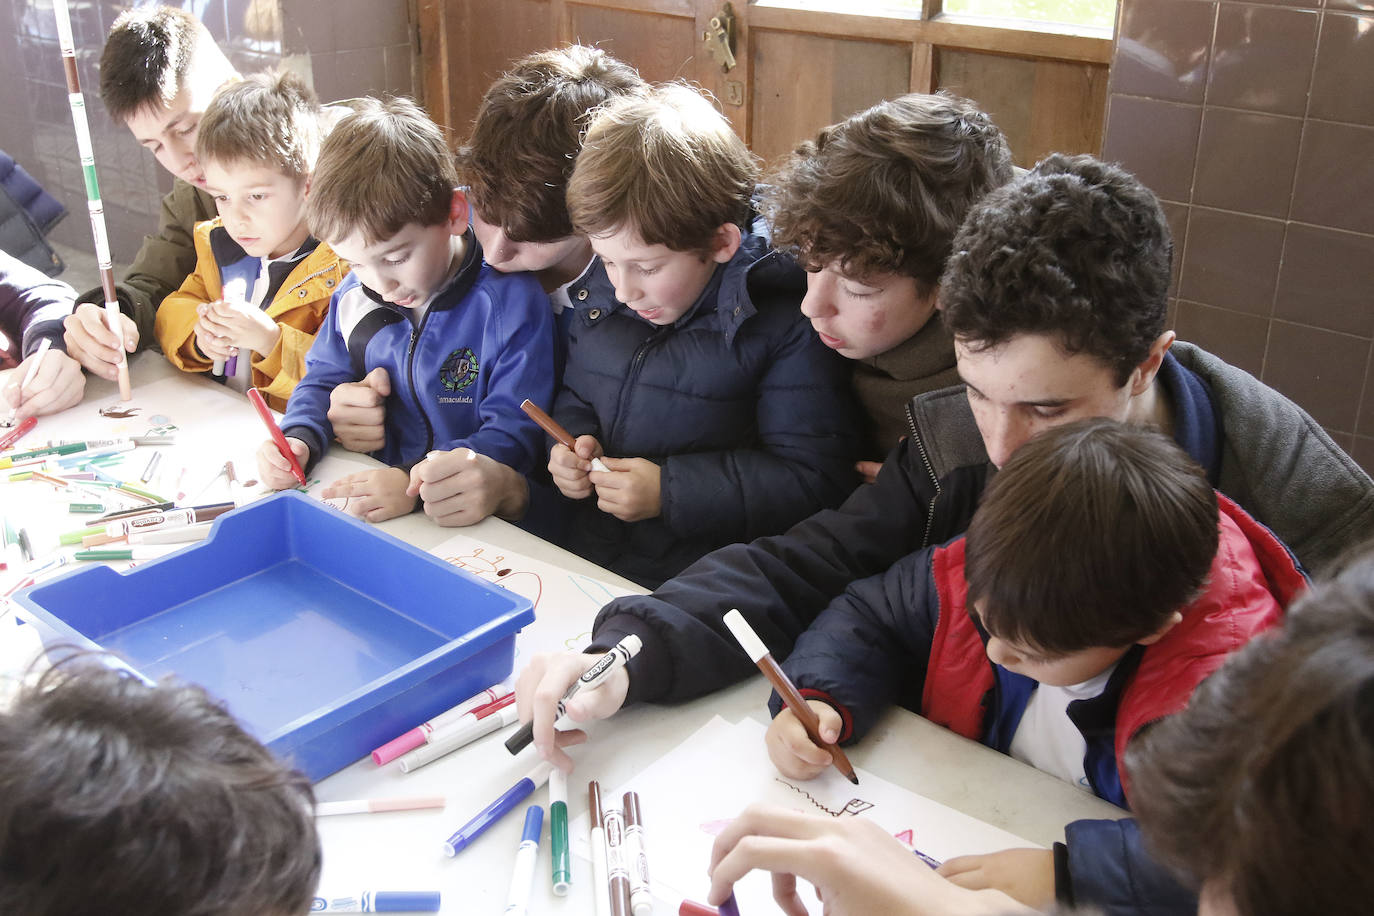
327 366
1108 866
870 647
780 584
519 349
32 306
808 440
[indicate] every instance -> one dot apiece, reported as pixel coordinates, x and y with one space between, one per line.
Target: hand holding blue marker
621 653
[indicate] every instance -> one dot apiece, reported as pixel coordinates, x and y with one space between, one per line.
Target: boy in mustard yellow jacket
262 283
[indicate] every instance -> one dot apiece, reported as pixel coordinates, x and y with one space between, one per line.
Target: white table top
401 851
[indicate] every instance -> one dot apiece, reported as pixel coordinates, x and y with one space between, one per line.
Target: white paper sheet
689 795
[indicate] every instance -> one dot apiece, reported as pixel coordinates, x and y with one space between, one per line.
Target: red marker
14 435
282 445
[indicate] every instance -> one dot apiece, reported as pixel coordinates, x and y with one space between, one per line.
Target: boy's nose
1003 433
819 300
999 654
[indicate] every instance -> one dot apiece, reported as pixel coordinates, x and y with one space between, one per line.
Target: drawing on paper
852 807
115 412
522 582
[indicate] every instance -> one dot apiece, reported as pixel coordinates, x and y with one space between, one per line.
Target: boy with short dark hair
257 144
1100 581
159 69
871 207
687 351
1260 790
460 345
121 797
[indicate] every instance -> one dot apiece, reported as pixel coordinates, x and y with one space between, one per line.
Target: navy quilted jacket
749 416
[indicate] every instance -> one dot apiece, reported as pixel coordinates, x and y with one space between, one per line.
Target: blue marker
379 902
526 858
494 811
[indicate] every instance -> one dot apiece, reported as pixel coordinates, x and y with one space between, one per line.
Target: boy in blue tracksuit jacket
457 345
689 359
1099 583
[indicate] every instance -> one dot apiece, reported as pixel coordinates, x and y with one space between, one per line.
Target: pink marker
420 734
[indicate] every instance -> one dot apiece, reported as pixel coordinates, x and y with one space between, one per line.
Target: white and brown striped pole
93 202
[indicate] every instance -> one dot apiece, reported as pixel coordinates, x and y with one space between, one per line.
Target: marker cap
405 902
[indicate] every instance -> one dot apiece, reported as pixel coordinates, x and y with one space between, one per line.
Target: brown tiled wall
349 48
1254 122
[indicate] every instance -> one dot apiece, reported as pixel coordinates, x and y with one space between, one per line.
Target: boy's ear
458 212
1144 374
1174 620
725 242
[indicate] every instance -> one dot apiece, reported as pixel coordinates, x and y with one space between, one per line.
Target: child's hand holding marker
632 490
45 383
91 343
357 412
374 496
461 487
543 685
239 325
570 466
273 468
791 749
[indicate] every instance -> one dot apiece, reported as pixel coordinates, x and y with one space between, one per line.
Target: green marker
86 508
10 461
558 832
74 537
128 553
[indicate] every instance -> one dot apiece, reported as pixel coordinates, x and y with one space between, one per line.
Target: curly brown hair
1076 248
528 130
885 190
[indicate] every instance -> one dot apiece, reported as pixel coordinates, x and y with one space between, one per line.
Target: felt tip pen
758 653
131 553
38 355
137 510
379 902
621 653
555 429
597 842
172 518
255 398
692 908
558 832
637 858
729 907
151 438
497 809
526 859
617 868
187 534
35 454
419 734
91 453
378 805
486 719
25 426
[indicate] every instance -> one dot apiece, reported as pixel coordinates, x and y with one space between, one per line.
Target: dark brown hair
382 167
527 133
1263 787
268 119
667 165
146 58
1077 249
885 190
120 797
1092 535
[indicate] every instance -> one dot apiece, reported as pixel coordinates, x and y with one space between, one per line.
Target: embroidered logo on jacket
459 370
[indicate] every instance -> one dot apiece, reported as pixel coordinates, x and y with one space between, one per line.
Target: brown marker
758 653
551 426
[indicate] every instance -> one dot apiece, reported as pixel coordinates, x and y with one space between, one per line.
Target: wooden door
800 64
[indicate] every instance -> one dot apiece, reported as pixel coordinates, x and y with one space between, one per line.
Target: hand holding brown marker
758 653
551 426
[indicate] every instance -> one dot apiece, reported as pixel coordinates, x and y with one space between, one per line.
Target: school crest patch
459 370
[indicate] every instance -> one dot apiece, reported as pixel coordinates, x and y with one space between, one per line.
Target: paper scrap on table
690 793
565 603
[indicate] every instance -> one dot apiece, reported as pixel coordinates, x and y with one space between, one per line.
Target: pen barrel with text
616 658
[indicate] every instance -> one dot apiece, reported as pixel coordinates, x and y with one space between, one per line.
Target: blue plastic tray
325 636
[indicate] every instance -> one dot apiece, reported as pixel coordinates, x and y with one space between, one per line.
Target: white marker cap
747 638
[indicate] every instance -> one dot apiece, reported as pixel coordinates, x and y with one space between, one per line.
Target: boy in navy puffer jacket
689 359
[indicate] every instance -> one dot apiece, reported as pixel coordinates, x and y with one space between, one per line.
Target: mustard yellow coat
298 308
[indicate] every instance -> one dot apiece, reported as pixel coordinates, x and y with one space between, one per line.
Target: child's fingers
830 721
587 448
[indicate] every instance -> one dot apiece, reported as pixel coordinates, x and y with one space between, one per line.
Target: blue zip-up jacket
484 345
748 415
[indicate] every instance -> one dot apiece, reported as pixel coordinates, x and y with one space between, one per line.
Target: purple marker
497 809
729 907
